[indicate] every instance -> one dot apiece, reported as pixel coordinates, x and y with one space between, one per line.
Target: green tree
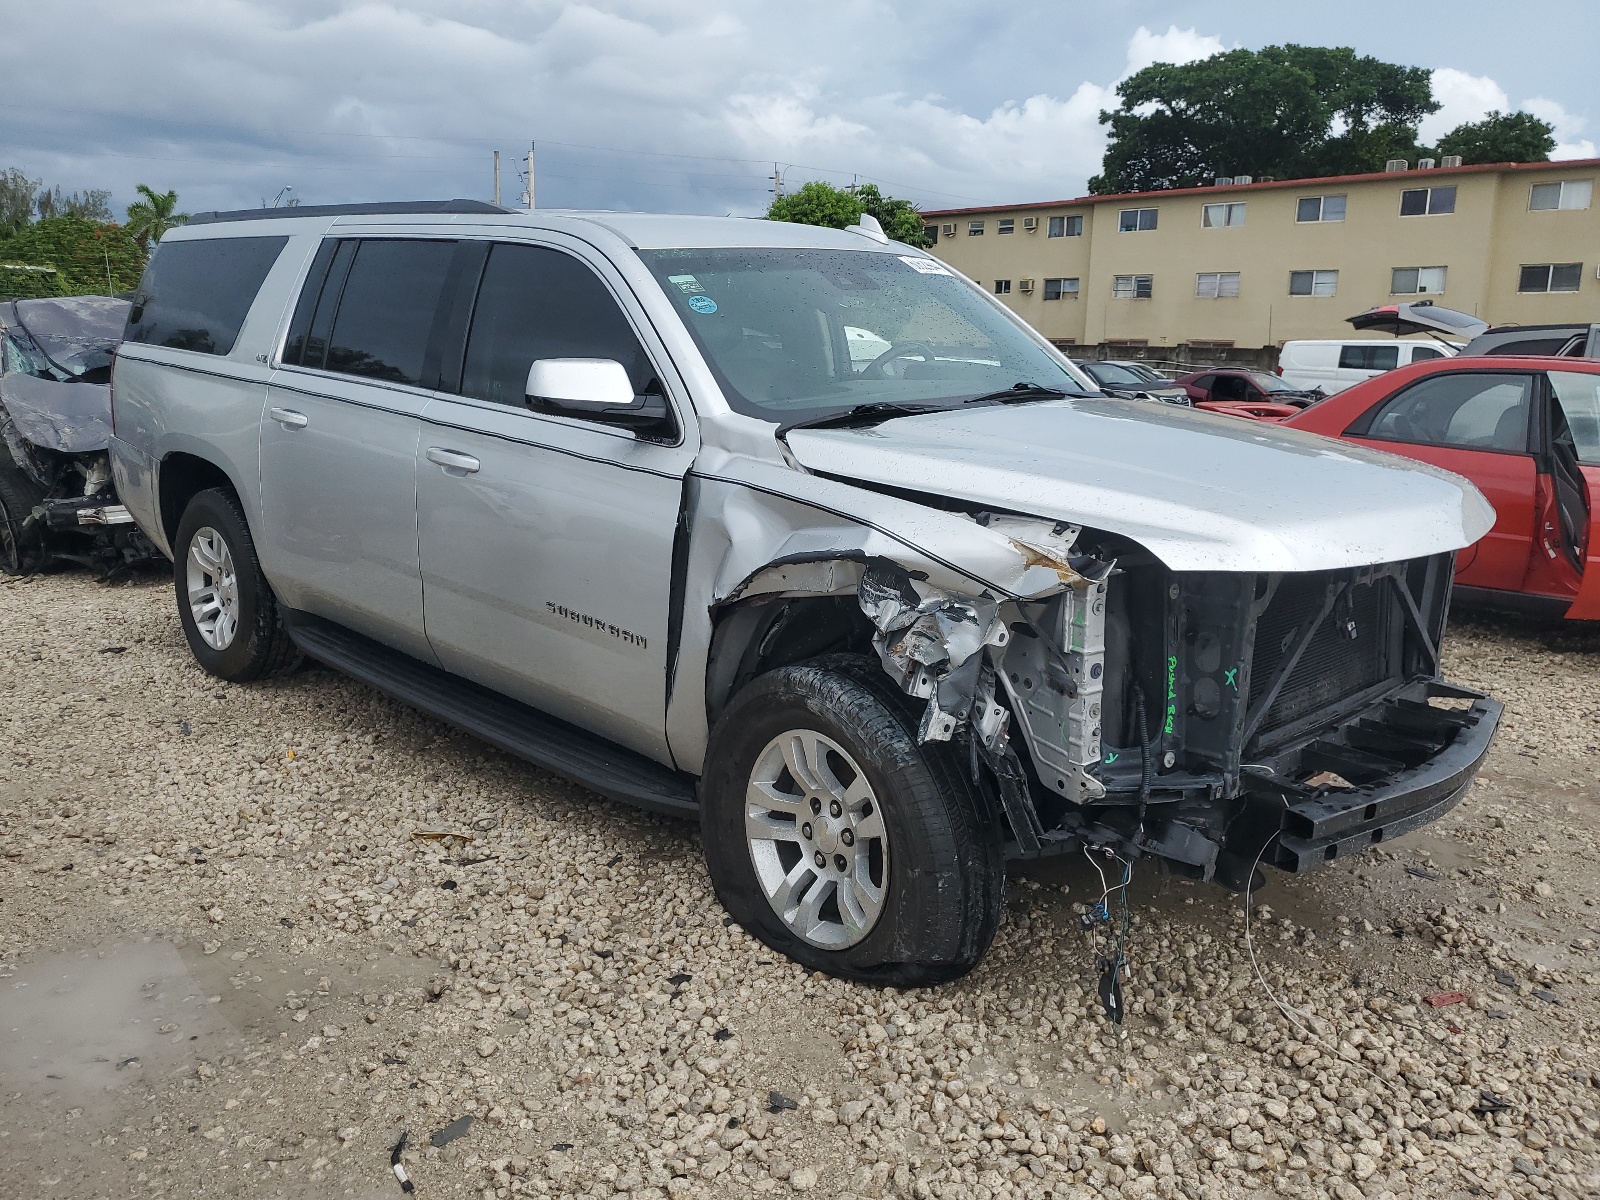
92 204
17 194
90 257
899 218
152 216
1272 112
1501 137
819 203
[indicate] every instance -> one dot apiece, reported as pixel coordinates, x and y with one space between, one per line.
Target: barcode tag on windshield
925 265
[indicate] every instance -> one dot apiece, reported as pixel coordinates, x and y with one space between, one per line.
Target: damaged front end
1210 719
58 500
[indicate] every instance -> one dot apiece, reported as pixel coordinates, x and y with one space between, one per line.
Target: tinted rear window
195 294
1362 357
386 314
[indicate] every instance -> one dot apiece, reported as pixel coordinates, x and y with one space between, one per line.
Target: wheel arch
180 478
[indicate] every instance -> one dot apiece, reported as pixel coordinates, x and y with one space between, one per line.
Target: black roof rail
382 208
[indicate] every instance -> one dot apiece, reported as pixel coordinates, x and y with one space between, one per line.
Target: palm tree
152 216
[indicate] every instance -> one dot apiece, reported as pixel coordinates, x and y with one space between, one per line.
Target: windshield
1113 375
75 335
799 333
1270 383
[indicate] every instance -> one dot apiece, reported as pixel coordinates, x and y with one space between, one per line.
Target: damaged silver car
56 495
624 495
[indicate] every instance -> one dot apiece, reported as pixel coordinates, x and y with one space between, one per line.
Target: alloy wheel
817 839
213 588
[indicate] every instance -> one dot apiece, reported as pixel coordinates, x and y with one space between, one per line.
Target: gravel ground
250 934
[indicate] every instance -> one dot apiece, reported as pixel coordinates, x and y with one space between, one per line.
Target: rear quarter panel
170 401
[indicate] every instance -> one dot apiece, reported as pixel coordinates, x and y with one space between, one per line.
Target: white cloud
1462 98
1567 127
1465 98
228 100
1175 46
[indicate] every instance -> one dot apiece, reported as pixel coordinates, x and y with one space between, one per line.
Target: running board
506 724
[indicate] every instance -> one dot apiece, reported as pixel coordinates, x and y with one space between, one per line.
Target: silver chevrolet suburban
800 533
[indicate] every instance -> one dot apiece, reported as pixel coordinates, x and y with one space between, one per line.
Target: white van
1334 365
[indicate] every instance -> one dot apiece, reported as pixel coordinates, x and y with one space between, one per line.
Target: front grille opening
1351 650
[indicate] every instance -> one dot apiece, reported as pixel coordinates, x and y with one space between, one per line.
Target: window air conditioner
947 231
1450 160
1030 223
1244 179
1424 164
1024 285
1397 164
1224 180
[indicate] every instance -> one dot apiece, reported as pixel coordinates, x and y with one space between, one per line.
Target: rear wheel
21 546
225 605
838 840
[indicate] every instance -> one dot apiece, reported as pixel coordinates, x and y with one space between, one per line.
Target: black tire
261 646
21 549
946 871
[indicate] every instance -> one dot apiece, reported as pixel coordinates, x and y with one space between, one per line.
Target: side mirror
592 387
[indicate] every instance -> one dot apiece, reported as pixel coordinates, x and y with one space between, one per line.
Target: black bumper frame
1323 825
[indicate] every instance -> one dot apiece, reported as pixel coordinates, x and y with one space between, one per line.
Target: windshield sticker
686 283
704 305
926 266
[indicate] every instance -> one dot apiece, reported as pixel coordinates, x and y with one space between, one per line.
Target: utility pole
777 181
497 179
530 176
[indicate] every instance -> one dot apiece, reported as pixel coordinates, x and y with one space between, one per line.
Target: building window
1136 220
1066 226
1221 216
1060 289
1313 283
1569 193
1005 225
1002 287
1319 208
1416 281
931 232
974 228
1132 287
1217 285
1429 202
1550 277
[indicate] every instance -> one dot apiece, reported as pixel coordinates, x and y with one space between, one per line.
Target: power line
491 142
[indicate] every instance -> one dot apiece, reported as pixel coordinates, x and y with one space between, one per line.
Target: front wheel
225 605
21 548
838 840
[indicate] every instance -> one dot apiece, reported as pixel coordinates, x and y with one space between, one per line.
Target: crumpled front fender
761 531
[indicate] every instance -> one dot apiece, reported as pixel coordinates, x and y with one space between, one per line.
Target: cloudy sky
675 106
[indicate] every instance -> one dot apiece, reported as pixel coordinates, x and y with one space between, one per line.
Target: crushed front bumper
1410 761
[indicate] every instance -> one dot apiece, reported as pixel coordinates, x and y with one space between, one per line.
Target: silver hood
1201 492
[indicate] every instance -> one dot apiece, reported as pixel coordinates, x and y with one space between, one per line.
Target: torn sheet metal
72 418
76 333
936 646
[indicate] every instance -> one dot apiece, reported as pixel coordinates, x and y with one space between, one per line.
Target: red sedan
1527 432
1240 392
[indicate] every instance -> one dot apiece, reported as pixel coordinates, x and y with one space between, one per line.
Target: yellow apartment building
1239 268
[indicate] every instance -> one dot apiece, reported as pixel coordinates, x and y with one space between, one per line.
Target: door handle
453 461
287 417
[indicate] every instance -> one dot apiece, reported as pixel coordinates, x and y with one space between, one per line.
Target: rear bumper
1320 827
